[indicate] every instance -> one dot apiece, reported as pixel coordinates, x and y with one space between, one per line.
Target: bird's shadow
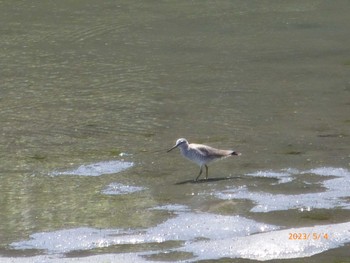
209 180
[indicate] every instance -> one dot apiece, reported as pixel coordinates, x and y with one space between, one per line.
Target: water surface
93 94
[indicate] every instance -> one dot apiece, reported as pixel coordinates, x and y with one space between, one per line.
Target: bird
201 154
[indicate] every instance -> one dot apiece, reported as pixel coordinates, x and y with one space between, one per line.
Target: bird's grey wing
213 152
203 150
209 151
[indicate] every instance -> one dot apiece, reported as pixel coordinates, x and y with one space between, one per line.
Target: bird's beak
172 148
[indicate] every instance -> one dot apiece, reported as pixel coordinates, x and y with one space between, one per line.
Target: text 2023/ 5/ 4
308 236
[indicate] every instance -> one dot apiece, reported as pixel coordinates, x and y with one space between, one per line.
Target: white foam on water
337 190
120 257
67 240
97 169
283 176
121 189
206 236
329 171
183 227
274 244
211 236
225 236
191 226
243 242
172 208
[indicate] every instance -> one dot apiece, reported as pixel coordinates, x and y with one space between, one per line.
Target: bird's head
179 142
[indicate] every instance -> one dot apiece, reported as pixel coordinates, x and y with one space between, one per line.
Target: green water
83 81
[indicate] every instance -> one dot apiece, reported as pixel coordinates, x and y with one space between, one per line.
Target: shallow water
92 96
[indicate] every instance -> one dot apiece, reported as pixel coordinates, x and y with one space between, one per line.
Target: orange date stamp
308 236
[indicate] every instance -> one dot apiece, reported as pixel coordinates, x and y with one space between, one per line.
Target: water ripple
97 169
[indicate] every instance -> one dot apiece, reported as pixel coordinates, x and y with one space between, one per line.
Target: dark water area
94 93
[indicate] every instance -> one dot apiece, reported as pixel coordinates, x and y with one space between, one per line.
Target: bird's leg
200 172
206 172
